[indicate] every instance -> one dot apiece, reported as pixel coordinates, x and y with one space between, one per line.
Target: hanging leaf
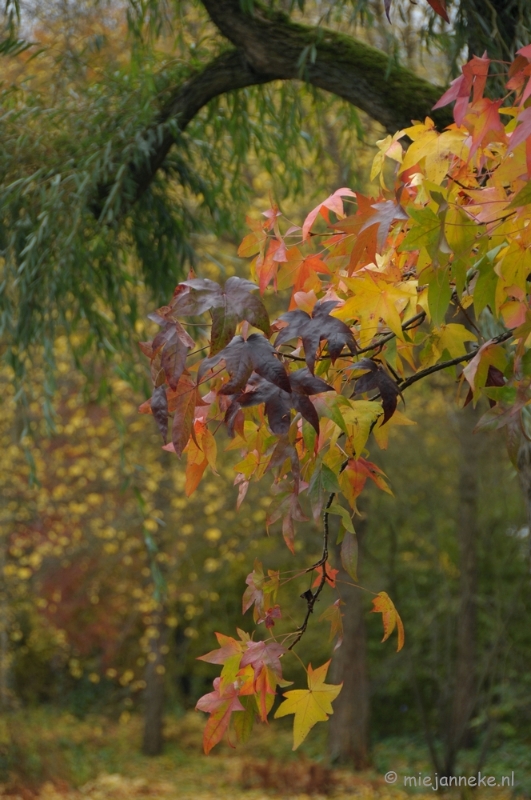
220 705
312 330
377 378
159 409
228 305
310 705
383 605
349 554
334 616
241 357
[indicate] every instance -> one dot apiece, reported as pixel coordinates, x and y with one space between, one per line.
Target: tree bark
468 533
348 735
269 46
524 475
153 740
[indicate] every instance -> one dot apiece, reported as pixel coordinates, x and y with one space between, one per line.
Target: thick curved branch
271 47
227 72
339 64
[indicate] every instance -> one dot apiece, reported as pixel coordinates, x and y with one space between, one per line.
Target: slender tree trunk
465 687
348 733
524 474
153 740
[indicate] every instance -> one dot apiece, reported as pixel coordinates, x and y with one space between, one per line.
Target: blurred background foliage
112 581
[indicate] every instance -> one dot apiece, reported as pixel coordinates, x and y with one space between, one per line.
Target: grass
50 755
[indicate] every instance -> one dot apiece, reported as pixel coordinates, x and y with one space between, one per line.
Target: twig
451 363
312 597
413 322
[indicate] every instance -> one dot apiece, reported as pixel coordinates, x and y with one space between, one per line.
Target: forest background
113 581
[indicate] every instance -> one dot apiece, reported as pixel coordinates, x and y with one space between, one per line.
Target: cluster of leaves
430 275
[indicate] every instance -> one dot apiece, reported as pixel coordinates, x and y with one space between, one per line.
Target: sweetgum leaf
310 705
377 378
312 330
174 343
159 408
278 403
241 357
228 306
184 402
383 604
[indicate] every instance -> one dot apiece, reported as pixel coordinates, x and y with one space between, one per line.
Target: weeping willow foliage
78 250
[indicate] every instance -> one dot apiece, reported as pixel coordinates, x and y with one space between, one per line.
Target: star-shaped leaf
264 654
310 705
330 576
375 377
173 343
241 357
259 590
228 306
220 704
278 403
312 330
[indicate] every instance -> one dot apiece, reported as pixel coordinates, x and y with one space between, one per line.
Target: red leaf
439 6
263 654
330 576
184 401
334 203
220 706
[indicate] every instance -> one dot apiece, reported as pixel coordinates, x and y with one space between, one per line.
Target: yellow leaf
436 149
374 299
381 431
359 417
450 337
310 705
383 604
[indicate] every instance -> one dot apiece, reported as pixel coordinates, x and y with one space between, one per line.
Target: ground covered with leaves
51 756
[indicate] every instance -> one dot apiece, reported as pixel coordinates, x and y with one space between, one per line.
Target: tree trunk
465 688
153 740
524 474
348 734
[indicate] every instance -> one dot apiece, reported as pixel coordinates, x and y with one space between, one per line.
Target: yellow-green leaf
310 705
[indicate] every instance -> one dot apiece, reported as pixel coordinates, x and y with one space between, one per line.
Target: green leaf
329 480
243 722
523 198
349 555
439 295
426 231
346 518
485 288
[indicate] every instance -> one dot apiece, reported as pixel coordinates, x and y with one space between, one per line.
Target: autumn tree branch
451 363
269 46
312 597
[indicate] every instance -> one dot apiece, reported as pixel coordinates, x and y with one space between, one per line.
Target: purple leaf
242 357
312 330
377 378
228 306
159 407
